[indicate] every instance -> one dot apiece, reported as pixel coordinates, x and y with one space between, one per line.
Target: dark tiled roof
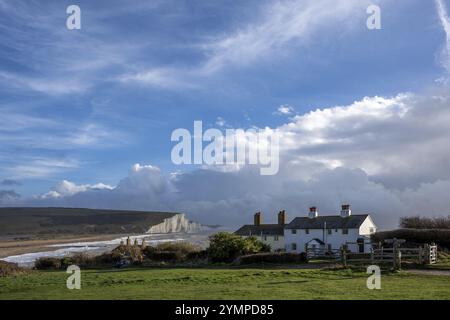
332 222
265 229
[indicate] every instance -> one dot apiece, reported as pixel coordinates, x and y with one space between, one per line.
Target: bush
425 223
416 236
132 253
110 258
10 269
172 252
197 255
226 247
166 256
45 263
182 247
82 260
281 257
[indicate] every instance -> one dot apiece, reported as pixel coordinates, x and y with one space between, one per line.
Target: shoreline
18 247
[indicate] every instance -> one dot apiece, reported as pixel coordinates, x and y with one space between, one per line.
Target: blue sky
86 105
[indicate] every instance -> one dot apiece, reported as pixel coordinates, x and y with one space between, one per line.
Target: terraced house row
314 231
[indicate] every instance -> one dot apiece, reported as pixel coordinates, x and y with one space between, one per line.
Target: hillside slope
79 221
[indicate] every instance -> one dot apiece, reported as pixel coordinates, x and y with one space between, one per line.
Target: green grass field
142 283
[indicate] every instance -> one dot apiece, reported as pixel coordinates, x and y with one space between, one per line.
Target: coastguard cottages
271 234
314 231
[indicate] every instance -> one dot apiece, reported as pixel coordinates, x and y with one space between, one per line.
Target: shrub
109 258
281 257
45 263
131 253
425 222
182 247
172 252
416 236
226 247
10 269
166 256
82 260
197 255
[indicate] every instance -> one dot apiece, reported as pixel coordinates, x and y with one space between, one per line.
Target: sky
86 116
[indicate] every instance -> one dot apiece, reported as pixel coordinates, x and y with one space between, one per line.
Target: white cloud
68 188
375 134
445 22
55 86
276 27
39 167
284 109
280 23
32 131
164 78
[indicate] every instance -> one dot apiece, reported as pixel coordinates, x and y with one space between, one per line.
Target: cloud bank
387 156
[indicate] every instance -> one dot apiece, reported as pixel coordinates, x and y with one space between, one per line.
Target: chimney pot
345 211
282 217
258 219
313 212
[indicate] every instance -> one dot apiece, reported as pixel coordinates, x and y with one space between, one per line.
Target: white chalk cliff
176 223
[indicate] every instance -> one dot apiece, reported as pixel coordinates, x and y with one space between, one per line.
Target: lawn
142 283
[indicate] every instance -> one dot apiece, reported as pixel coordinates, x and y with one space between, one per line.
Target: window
344 231
372 230
265 238
330 231
275 238
313 246
329 247
294 231
293 246
335 230
307 231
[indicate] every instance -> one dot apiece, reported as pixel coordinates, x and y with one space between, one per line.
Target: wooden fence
320 253
394 255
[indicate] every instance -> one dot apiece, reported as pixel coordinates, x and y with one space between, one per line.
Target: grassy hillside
75 221
223 284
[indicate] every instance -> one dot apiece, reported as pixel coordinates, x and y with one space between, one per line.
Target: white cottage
330 232
271 234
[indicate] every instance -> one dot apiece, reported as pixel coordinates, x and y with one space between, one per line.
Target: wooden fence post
427 253
420 253
396 255
344 256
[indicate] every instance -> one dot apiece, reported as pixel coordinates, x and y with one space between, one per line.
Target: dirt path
430 272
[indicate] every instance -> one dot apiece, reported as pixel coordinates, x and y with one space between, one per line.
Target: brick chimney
258 219
282 217
313 213
346 211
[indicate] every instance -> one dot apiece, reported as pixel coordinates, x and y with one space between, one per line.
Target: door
361 247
